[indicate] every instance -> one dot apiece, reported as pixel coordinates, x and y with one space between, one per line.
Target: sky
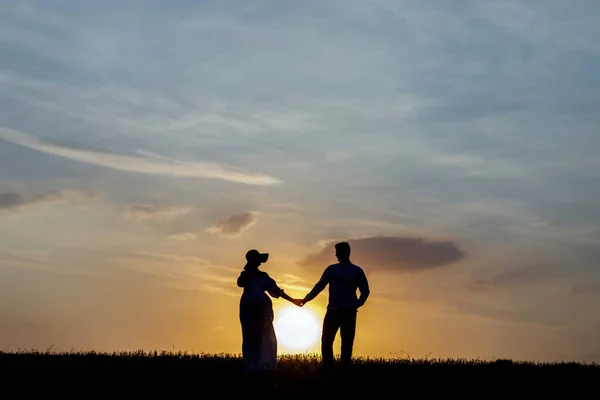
146 146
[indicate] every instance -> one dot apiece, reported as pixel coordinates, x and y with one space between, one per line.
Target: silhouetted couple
259 343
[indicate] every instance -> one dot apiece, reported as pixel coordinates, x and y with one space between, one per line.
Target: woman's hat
255 256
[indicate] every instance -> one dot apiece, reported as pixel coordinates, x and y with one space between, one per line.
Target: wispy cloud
183 237
144 162
146 212
30 259
39 260
187 273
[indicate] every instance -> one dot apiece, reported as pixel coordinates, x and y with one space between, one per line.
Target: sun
296 328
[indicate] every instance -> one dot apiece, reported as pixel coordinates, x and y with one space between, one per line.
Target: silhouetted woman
259 343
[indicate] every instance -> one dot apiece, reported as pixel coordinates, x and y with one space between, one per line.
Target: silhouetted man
343 279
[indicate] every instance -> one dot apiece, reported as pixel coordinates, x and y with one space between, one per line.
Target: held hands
298 302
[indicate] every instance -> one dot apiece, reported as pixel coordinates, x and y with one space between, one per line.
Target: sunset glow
297 329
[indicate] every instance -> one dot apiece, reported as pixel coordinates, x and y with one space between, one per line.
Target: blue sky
151 144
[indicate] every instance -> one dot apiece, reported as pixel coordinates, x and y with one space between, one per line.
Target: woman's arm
241 280
276 292
288 298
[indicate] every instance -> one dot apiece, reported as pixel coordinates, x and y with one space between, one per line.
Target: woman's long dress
259 343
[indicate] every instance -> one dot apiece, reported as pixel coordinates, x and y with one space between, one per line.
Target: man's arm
363 286
318 288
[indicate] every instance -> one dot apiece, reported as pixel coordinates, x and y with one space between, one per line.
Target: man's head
342 251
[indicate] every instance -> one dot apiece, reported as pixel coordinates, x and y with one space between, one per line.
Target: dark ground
203 375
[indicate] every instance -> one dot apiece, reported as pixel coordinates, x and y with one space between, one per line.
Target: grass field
301 374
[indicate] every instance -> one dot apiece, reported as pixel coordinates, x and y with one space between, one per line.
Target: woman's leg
250 320
268 351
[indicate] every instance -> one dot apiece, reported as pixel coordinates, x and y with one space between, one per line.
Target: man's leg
331 324
347 333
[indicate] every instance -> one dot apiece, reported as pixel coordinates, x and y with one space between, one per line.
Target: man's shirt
343 280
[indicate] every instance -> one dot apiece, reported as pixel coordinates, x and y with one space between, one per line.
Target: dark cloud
522 315
392 254
234 225
586 289
521 276
11 200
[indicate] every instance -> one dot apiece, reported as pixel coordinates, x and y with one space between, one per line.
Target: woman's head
254 258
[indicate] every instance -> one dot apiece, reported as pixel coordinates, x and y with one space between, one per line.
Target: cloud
166 258
148 212
292 282
15 201
11 200
448 304
586 289
31 259
390 254
144 162
182 272
491 278
234 225
182 237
